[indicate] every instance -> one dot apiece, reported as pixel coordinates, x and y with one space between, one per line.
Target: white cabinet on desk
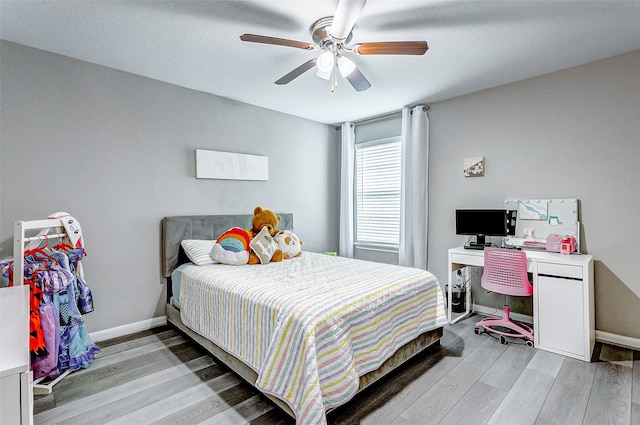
563 299
565 320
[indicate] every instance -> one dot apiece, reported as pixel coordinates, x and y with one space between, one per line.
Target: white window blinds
378 174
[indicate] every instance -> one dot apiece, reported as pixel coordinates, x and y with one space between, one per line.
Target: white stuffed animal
289 243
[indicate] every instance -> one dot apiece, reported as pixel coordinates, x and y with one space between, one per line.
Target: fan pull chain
334 76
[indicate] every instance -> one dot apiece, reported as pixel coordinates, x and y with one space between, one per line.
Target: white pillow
264 246
199 251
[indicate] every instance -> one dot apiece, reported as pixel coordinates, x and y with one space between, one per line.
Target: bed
309 332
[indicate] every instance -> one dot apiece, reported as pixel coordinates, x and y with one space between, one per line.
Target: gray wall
117 152
574 133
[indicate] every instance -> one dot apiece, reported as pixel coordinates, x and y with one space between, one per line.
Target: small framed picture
474 167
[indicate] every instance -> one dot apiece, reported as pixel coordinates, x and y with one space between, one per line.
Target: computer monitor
481 223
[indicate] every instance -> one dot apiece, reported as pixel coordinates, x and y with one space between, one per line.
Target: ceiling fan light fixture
326 62
346 66
325 75
331 36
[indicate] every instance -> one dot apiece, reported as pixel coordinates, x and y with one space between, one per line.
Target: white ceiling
473 45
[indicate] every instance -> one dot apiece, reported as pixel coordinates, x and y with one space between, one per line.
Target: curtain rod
377 117
381 116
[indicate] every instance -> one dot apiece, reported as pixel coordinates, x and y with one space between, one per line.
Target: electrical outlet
460 278
458 281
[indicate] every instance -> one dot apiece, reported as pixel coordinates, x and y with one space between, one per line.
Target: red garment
37 345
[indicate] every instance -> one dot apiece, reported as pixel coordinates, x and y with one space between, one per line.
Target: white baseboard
128 329
620 340
488 311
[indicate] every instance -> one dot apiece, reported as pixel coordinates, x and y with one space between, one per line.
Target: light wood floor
160 377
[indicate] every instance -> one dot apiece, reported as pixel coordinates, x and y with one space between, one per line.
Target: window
377 192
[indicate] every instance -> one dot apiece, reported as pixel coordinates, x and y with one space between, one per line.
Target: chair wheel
477 331
503 340
529 343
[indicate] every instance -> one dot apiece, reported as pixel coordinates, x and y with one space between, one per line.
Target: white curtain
415 187
346 189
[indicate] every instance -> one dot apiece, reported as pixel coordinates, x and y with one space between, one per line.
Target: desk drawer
469 259
562 270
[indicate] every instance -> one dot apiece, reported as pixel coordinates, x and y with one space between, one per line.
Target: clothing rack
20 238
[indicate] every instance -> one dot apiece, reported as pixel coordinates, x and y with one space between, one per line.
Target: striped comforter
311 326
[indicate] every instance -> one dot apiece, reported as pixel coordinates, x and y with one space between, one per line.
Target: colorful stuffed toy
232 247
289 243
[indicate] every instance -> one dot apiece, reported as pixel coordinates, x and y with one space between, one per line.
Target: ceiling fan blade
297 72
358 80
392 48
277 41
345 18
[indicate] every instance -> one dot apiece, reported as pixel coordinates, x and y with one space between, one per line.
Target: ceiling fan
331 35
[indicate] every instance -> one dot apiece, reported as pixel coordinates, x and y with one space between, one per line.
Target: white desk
563 299
15 378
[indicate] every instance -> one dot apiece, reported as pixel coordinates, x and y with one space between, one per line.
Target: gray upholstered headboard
177 228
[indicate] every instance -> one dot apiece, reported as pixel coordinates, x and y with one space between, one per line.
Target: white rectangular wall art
474 167
231 166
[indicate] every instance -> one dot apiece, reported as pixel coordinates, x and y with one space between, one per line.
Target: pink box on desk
562 244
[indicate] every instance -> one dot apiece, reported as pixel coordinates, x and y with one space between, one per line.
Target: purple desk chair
505 272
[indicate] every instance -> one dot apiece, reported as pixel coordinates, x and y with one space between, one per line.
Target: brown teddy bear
264 227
